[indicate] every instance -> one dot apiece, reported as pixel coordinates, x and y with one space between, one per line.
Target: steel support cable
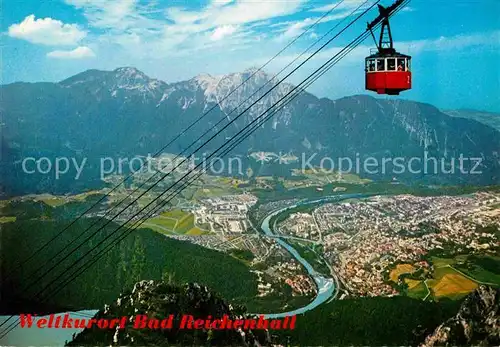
342 53
185 175
185 184
138 223
310 57
53 258
253 123
101 253
18 266
299 91
108 221
49 270
254 127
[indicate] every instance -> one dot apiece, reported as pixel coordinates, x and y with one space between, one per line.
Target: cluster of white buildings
225 214
301 225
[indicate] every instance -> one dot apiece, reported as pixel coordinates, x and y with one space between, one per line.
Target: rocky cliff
159 300
476 324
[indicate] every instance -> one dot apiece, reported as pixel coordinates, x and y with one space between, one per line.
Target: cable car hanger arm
384 46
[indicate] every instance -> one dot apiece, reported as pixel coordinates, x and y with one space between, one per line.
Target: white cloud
340 15
293 29
413 48
407 9
296 28
346 4
46 31
241 13
217 3
177 30
180 16
250 11
119 15
458 42
81 52
223 31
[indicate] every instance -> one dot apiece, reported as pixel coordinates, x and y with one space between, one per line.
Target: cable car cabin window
391 64
380 64
401 64
370 65
408 64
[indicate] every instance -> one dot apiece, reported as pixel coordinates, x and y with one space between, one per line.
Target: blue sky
455 44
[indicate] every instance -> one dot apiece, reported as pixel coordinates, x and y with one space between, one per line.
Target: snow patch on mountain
209 84
252 92
130 78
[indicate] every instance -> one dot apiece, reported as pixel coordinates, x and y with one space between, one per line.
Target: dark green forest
370 321
143 255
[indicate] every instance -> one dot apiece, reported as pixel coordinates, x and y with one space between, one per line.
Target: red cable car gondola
387 71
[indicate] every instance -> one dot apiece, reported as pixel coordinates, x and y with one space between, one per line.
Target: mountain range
124 113
488 118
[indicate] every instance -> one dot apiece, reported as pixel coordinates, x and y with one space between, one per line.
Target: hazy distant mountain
125 113
488 118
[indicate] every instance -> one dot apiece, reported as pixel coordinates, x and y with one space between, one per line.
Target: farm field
54 201
484 269
175 222
447 282
212 191
452 278
399 270
7 219
416 289
59 200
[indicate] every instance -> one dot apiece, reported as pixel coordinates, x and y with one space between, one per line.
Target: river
326 286
56 337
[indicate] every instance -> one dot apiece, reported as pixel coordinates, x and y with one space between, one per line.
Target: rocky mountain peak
257 73
130 71
116 81
206 82
253 75
132 78
88 76
252 69
159 300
